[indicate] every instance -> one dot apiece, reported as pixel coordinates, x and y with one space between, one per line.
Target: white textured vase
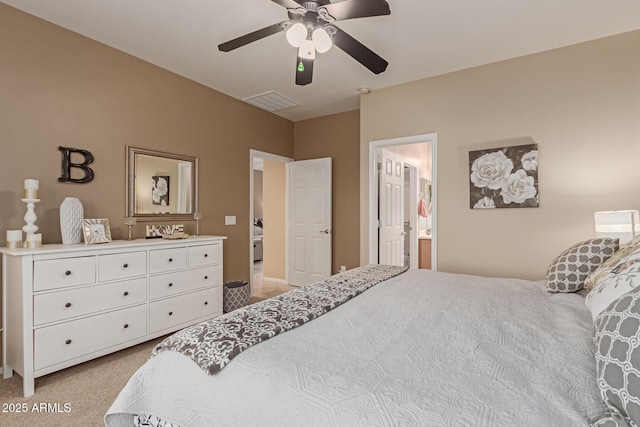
71 215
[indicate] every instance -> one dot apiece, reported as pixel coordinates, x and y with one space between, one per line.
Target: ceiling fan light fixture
296 34
307 50
321 40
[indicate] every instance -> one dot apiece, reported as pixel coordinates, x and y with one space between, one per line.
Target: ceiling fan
311 29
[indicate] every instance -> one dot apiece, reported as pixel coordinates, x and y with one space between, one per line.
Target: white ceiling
421 38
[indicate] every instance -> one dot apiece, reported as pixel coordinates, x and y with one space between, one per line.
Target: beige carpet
88 389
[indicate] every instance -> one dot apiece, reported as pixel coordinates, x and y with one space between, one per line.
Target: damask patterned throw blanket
212 344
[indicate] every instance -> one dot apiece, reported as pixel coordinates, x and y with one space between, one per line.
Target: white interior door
309 222
392 232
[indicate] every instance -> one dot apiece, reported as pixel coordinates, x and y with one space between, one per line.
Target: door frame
413 208
373 198
264 155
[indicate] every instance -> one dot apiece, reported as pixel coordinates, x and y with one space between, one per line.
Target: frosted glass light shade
624 225
296 34
307 50
321 40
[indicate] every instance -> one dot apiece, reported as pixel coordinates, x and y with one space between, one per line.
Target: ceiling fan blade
251 37
359 52
350 9
289 4
304 71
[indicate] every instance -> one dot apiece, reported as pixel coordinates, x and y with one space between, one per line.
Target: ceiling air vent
271 101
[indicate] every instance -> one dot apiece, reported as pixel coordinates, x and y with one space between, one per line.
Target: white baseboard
271 279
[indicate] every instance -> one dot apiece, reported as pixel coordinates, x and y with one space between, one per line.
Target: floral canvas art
504 177
160 190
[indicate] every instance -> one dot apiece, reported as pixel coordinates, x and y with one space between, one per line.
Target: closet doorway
402 201
267 211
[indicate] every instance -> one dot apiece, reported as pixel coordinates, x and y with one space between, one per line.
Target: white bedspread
420 349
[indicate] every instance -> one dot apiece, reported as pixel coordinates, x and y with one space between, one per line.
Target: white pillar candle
34 240
14 235
31 188
31 184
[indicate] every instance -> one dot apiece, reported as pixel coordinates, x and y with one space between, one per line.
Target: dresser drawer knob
170 259
206 277
126 293
171 313
170 284
67 342
206 303
125 266
206 255
68 305
126 325
67 273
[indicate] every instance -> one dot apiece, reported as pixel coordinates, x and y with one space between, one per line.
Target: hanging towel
422 208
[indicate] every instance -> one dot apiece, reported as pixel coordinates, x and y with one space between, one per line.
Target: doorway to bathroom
402 202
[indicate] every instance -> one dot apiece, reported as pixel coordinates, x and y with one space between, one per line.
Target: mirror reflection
161 185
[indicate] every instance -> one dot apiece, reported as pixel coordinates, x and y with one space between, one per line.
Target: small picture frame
96 231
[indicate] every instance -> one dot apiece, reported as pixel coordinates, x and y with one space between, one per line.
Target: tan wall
257 194
274 181
59 88
581 104
337 136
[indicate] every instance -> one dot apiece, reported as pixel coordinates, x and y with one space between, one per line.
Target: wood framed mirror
161 186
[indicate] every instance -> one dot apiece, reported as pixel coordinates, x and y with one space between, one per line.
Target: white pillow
617 276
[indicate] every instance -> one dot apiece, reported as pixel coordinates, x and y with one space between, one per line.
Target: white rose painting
160 190
504 177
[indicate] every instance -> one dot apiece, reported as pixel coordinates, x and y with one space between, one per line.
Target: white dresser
66 304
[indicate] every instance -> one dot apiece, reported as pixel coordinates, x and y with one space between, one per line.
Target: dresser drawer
204 255
172 312
62 272
122 266
52 307
56 344
162 260
201 277
167 284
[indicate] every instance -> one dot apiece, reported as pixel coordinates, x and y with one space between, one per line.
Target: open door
309 222
392 234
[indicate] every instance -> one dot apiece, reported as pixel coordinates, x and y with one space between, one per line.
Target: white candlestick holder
30 218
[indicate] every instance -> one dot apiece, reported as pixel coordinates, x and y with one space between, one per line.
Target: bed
419 348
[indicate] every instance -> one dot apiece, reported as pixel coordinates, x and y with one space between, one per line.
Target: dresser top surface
113 245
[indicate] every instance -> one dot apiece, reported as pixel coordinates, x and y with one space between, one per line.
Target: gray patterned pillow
569 270
617 340
612 421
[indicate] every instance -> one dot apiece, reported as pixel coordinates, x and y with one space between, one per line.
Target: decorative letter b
67 165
